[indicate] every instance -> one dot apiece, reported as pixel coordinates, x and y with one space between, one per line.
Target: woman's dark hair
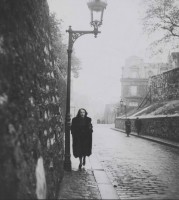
78 114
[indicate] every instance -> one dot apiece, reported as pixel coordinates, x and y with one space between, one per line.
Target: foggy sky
102 58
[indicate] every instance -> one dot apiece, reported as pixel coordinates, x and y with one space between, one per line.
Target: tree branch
174 24
170 29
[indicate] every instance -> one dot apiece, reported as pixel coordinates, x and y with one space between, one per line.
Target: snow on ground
160 109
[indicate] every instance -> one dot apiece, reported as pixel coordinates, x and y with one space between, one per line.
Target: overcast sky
101 58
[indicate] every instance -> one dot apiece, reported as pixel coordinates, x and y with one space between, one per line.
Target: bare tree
60 48
162 17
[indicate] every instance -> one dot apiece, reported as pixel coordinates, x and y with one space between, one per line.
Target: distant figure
98 121
138 125
128 126
81 130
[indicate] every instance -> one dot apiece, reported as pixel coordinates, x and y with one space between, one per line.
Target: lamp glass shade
97 8
97 5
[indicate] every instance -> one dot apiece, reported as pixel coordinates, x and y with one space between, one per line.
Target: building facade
134 81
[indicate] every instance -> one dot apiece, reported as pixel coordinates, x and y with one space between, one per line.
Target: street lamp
95 6
117 111
123 104
97 9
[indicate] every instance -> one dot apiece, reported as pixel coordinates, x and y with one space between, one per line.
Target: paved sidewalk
91 182
79 184
154 139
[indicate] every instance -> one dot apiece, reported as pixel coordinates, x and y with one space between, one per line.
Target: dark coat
128 126
82 137
138 124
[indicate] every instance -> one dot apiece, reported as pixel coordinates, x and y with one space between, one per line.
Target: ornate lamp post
95 6
123 104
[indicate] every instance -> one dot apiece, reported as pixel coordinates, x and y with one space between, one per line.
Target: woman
81 130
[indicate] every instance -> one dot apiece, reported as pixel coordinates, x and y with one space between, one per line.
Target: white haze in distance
103 57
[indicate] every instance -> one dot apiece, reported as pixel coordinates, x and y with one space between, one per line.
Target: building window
134 74
133 90
133 104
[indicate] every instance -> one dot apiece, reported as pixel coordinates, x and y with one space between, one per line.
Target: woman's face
82 113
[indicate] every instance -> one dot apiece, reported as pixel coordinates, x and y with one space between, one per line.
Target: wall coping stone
149 117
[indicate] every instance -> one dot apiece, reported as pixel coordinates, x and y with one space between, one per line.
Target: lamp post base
67 163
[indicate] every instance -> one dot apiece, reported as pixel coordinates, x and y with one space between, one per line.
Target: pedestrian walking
128 126
81 130
138 125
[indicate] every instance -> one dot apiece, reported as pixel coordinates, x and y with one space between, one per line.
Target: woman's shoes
84 162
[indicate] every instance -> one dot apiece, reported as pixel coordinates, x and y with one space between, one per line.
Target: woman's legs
80 165
84 160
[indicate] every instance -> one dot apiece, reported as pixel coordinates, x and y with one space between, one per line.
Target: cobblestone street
136 168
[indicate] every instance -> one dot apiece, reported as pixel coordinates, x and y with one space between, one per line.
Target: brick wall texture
165 86
32 100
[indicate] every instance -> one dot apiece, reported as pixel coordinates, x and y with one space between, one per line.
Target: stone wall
32 101
162 127
165 86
